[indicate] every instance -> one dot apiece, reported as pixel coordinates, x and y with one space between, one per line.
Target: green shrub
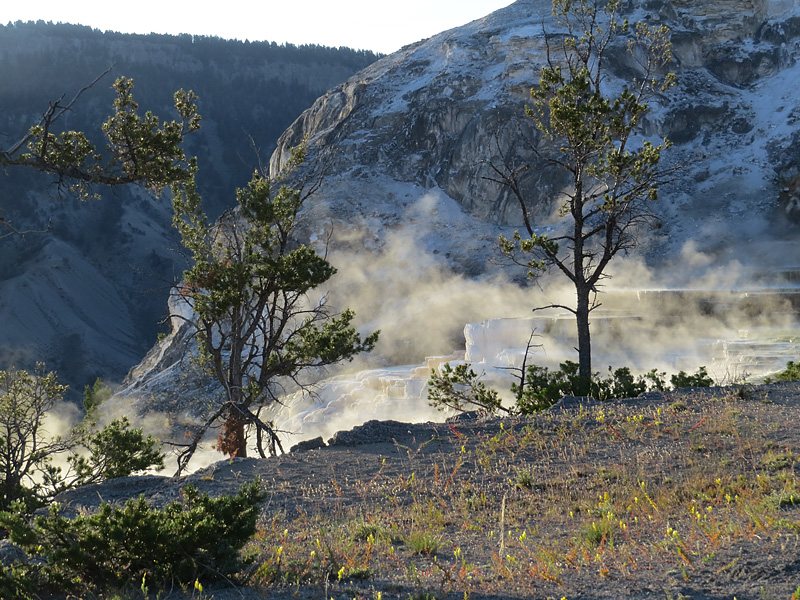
699 379
116 451
542 388
790 373
197 538
621 384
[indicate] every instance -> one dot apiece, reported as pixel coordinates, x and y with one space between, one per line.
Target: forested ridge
246 89
122 244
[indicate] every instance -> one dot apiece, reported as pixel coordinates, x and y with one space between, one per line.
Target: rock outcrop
435 112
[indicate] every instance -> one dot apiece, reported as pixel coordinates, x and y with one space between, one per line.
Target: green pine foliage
790 373
698 379
115 451
93 396
249 289
198 538
459 388
16 584
139 149
590 136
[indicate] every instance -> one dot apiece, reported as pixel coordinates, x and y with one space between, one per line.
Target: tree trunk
232 439
584 339
582 287
235 443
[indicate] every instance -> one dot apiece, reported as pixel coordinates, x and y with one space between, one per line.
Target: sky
378 25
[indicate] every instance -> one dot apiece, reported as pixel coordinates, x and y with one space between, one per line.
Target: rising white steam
691 314
400 278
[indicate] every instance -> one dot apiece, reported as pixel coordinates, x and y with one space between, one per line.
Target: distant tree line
210 46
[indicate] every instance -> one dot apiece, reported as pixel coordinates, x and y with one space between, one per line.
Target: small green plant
621 384
364 531
599 532
542 388
358 573
782 499
775 461
93 396
423 542
524 479
655 380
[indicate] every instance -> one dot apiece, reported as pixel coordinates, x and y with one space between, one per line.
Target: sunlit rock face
437 112
431 113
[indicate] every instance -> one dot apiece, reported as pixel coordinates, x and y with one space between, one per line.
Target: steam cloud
398 279
696 313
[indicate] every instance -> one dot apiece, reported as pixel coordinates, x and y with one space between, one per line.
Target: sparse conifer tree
588 130
28 471
249 292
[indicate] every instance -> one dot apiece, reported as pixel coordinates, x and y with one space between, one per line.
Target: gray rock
469 417
307 445
371 432
435 112
11 554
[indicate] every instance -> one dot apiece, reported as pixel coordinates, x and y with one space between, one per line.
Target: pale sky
379 25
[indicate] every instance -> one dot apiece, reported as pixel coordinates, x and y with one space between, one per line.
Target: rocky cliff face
435 112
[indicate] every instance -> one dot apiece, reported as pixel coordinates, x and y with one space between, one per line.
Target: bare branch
14 231
567 308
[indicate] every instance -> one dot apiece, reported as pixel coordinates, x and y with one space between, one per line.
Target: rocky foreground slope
689 494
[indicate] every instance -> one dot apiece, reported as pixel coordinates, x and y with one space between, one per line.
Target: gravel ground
694 483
